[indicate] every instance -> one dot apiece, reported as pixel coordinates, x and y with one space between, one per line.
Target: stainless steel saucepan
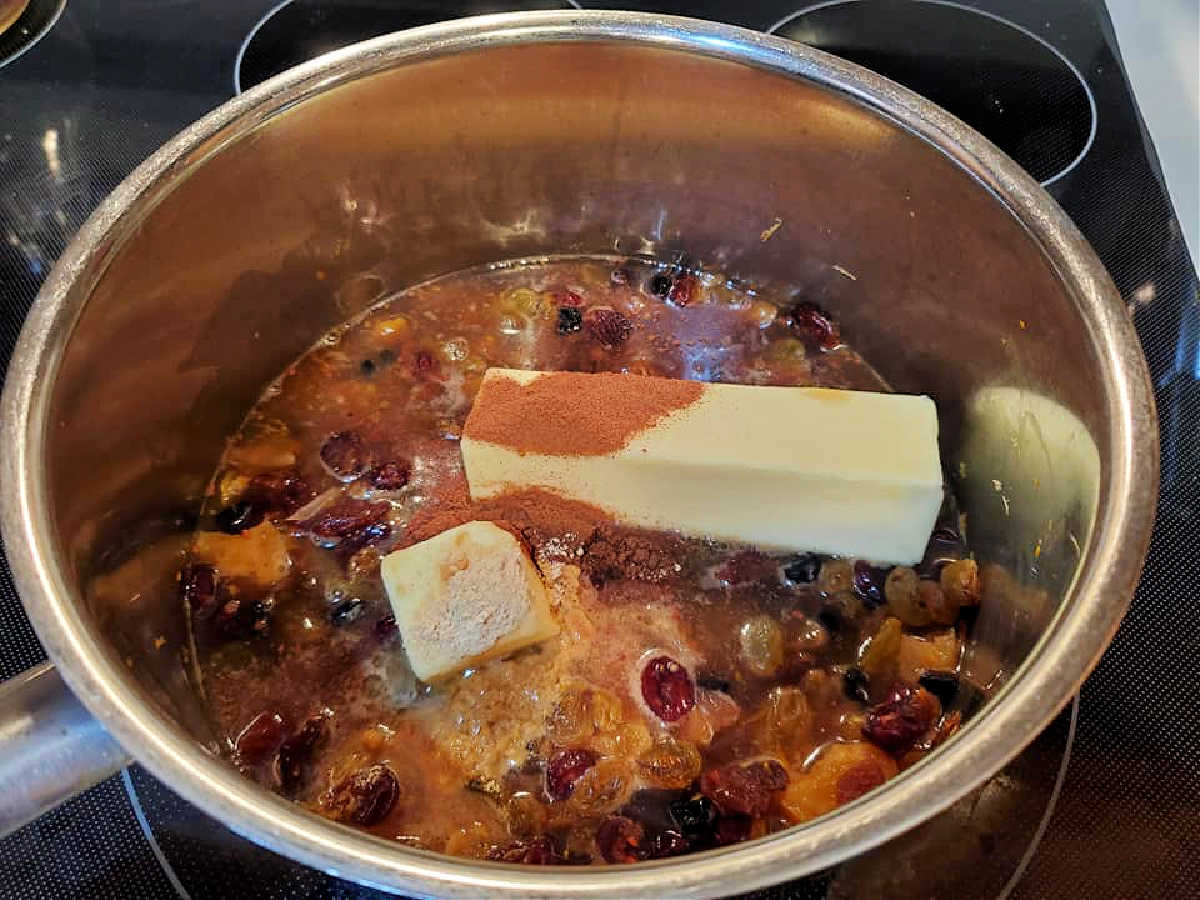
223 256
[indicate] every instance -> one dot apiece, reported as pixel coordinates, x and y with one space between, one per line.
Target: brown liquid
299 627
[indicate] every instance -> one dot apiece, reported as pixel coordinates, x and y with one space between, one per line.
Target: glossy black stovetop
1103 804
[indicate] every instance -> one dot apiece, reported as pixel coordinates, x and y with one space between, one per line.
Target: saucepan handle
50 747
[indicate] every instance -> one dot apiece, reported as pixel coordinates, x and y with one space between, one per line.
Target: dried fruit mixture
699 694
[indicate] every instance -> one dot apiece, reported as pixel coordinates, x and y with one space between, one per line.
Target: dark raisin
858 780
424 365
296 752
364 798
868 583
259 740
744 789
943 685
565 768
345 611
243 616
390 476
385 628
620 840
695 816
570 320
283 491
347 516
684 289
387 355
712 682
856 685
659 285
814 326
538 851
607 326
945 546
367 367
666 843
831 617
345 455
198 588
901 718
803 569
667 688
652 807
239 517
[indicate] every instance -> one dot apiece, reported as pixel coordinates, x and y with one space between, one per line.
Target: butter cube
466 596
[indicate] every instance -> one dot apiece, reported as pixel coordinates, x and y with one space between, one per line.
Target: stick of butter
466 596
849 473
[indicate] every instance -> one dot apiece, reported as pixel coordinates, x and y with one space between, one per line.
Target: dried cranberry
620 840
569 321
667 688
856 685
364 798
296 752
345 454
666 843
868 583
731 830
259 740
569 299
804 569
607 326
747 567
684 289
745 789
198 587
424 365
814 326
390 476
902 718
565 768
283 491
347 516
239 517
538 851
858 779
695 817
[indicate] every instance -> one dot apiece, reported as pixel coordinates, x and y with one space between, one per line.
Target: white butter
850 473
464 597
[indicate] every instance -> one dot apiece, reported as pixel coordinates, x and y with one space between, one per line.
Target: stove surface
1102 804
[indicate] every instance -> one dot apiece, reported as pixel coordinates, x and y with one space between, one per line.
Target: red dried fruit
243 616
607 326
259 740
565 768
814 326
901 718
748 567
568 298
667 688
198 588
296 752
684 289
280 492
345 455
347 516
390 476
858 779
731 830
424 365
746 789
620 840
538 851
364 798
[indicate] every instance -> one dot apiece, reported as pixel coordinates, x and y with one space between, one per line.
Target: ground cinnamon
573 413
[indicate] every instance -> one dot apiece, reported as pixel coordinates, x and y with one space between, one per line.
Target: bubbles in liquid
456 349
511 325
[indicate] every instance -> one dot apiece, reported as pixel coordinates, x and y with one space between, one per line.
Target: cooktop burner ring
388 16
1069 149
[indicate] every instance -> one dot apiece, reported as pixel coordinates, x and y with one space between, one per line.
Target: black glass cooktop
1103 804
